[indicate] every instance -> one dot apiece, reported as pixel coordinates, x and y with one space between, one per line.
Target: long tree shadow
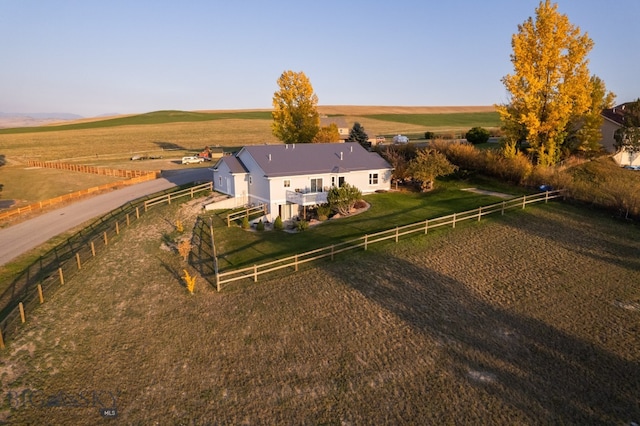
569 231
541 371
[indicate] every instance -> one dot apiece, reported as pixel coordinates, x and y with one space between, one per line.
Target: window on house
333 181
373 178
220 181
250 180
287 183
340 181
316 185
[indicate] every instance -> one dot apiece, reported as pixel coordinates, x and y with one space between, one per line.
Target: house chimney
351 148
293 146
269 157
340 155
286 146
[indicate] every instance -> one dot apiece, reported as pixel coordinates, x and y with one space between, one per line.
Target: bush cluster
600 183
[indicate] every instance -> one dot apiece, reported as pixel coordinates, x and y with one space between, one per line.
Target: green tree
550 86
295 113
329 133
357 134
427 166
628 136
343 199
477 135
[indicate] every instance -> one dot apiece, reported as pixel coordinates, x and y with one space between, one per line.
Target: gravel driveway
22 237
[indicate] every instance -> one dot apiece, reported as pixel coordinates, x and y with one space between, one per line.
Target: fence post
503 208
1 340
524 201
454 220
295 262
169 198
61 276
396 234
228 221
138 212
78 260
546 197
93 249
255 273
192 192
128 222
218 283
366 237
40 294
22 317
331 251
106 239
117 228
479 213
426 226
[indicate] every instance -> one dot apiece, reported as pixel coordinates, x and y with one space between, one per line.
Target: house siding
229 183
608 129
256 183
266 168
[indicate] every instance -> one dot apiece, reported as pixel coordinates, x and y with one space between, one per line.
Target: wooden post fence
22 317
106 239
1 340
61 276
93 249
78 261
40 294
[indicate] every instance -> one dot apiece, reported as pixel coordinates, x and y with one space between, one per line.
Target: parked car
632 167
192 160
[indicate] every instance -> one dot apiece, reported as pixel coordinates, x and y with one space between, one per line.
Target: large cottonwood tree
550 88
295 114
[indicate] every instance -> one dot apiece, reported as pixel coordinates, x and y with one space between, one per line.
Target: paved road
22 237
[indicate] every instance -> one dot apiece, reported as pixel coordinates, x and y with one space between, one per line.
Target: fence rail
75 195
246 212
105 171
189 192
40 279
422 227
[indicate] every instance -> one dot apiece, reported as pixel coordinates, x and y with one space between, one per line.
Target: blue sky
93 57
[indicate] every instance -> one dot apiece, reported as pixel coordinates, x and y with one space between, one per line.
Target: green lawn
463 119
240 248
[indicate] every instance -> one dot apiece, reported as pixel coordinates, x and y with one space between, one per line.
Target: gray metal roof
235 166
314 158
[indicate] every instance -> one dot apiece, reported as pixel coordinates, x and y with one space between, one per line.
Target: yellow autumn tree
585 136
295 113
550 86
329 133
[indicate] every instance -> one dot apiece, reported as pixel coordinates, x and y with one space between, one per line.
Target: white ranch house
290 177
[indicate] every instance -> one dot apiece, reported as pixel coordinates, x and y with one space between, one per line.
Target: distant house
614 120
341 124
290 177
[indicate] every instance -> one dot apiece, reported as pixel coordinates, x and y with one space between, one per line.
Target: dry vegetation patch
503 321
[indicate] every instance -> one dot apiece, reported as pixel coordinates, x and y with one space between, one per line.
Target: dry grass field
114 146
530 318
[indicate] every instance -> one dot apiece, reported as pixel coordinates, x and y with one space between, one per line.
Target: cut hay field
529 318
112 141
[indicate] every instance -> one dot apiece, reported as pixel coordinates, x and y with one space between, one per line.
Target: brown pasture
507 321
